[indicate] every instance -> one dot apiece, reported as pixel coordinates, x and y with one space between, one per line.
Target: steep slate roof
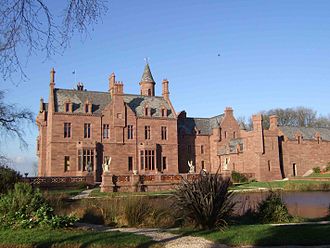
137 103
100 100
78 98
308 133
203 125
147 76
232 147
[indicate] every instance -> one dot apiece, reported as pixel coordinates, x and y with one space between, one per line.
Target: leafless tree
13 120
30 26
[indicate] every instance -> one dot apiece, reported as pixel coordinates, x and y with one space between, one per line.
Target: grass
96 193
70 238
69 192
266 235
301 185
325 175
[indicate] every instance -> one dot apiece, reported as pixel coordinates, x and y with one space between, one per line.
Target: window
85 160
164 133
164 163
147 132
299 139
106 131
87 130
67 107
234 135
269 165
130 163
146 111
130 132
67 130
202 149
66 163
318 140
147 159
203 165
86 108
164 112
149 92
189 148
225 134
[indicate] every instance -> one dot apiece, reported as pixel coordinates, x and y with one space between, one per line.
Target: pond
312 204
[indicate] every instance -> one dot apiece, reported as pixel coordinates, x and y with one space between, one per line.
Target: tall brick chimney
112 81
229 111
165 91
52 78
258 138
273 122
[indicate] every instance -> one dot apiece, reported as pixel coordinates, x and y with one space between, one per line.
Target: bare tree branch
13 119
28 26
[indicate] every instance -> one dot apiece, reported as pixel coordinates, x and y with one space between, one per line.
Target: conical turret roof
147 76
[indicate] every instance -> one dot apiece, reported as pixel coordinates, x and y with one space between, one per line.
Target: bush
26 208
273 210
205 201
136 210
327 168
8 178
238 177
317 170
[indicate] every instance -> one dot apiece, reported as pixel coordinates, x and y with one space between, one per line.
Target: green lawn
301 185
70 238
265 235
325 175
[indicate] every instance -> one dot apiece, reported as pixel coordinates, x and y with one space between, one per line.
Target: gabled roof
202 125
138 103
308 133
78 98
100 100
147 76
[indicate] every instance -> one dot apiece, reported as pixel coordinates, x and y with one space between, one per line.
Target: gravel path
171 240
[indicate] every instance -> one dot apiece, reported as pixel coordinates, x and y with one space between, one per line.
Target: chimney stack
273 122
165 92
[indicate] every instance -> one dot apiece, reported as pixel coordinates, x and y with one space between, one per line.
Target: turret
147 84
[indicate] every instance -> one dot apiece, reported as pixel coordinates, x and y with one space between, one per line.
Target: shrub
273 210
8 178
238 177
25 207
205 201
317 170
136 210
327 168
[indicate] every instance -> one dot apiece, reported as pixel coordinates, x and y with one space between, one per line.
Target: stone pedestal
107 184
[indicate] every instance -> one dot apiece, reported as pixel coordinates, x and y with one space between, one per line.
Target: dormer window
147 111
164 112
88 107
299 139
68 107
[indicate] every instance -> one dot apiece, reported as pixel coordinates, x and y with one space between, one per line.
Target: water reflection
305 204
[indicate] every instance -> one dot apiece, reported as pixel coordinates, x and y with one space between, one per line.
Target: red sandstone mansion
144 135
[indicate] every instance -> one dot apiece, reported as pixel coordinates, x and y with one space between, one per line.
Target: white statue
106 165
191 167
225 164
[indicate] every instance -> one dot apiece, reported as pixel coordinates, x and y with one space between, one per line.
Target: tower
147 84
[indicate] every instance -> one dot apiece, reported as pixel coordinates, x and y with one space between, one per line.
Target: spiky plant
206 201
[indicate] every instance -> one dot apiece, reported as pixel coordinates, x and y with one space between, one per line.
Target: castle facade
142 134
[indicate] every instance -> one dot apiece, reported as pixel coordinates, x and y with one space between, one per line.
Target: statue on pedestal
106 165
191 167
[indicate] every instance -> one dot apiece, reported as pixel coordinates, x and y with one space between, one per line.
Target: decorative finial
52 76
146 59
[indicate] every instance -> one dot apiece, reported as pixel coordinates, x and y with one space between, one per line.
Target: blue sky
272 54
